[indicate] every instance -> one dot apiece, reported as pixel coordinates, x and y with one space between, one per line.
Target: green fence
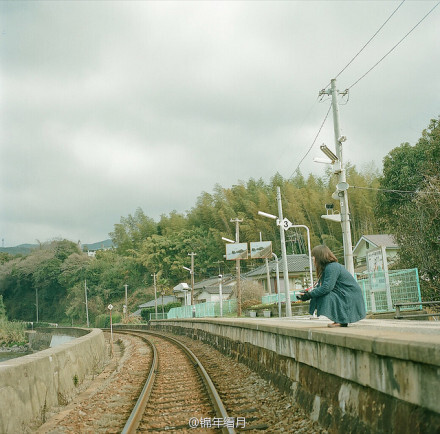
381 290
273 298
202 310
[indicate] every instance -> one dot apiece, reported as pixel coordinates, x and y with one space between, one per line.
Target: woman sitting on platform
337 294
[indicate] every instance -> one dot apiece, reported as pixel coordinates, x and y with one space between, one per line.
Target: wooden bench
416 303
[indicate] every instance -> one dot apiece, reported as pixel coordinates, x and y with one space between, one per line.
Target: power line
362 49
395 191
392 49
314 140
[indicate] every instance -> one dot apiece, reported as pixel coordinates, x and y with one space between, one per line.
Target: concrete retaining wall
30 385
352 380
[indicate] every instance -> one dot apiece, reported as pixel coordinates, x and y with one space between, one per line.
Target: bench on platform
423 315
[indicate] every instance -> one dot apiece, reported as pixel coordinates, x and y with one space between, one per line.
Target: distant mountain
106 244
25 249
22 249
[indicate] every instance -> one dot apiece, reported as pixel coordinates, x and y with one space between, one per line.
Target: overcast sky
110 106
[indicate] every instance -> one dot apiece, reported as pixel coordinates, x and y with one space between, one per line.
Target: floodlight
227 240
328 153
265 214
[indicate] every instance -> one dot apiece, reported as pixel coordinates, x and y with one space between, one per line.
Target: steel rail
138 410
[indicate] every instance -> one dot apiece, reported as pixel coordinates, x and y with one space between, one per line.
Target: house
209 289
369 243
165 300
299 273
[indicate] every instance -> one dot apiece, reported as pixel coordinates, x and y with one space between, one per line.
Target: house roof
378 240
214 290
166 299
213 281
295 264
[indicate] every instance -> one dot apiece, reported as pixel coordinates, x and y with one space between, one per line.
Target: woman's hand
303 296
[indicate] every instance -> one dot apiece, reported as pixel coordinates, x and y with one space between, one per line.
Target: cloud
108 106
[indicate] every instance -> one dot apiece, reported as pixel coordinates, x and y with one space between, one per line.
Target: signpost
377 264
287 224
110 307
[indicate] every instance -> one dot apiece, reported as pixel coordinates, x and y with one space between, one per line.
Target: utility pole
87 306
126 302
36 301
269 289
237 264
342 187
220 293
155 294
284 255
192 254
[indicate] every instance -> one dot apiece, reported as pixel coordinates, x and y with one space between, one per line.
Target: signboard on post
261 250
378 268
236 251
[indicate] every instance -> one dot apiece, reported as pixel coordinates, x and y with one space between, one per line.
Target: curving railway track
156 383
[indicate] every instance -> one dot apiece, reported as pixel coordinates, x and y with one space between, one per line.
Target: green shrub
103 321
12 333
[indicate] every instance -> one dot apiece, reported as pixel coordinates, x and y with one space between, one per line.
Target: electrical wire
395 191
314 141
365 45
395 46
362 49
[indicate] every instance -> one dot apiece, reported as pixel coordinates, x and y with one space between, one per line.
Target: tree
412 210
417 231
132 231
2 309
405 169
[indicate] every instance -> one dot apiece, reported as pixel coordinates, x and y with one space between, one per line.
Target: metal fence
382 291
273 298
208 309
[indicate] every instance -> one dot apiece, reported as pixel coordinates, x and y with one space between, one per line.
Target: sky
107 106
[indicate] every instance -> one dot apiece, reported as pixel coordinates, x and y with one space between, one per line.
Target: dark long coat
338 296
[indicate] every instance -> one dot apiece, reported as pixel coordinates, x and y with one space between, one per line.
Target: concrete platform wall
349 380
30 385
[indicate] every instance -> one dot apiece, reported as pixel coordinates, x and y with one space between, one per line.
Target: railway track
178 393
154 384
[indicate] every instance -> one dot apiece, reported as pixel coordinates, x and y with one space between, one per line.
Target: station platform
376 375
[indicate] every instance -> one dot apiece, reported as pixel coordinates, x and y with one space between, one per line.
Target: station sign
285 223
261 249
236 251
